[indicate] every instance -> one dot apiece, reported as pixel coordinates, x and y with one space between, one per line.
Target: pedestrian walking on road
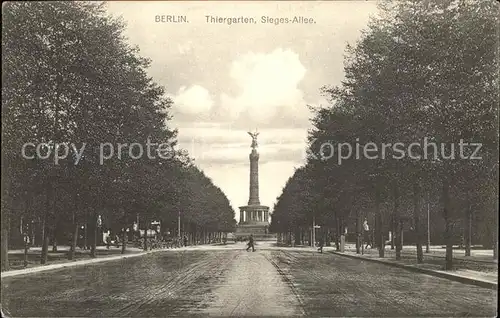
366 230
321 243
250 243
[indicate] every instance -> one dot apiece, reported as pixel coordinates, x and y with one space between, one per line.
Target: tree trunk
448 228
25 232
310 238
74 239
26 247
55 222
124 240
49 196
416 218
5 238
86 232
359 241
342 230
193 234
337 234
43 231
45 245
380 236
398 229
495 229
298 234
393 230
46 234
54 238
93 247
328 241
33 233
378 227
468 225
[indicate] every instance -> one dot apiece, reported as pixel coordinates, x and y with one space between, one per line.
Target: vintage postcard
250 158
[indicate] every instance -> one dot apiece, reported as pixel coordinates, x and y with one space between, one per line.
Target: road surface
232 282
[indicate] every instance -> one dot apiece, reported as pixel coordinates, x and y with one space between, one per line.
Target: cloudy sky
228 79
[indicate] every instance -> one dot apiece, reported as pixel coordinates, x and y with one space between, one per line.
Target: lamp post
378 232
313 232
427 246
85 232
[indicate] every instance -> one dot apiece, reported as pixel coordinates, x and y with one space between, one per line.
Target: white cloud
267 82
193 100
217 58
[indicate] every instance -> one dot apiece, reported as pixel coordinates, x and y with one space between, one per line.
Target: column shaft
254 178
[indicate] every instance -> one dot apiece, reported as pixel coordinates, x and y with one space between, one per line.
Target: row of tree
71 79
424 72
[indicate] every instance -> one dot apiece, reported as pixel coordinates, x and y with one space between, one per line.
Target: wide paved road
231 282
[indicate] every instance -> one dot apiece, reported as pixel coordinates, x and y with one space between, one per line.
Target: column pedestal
255 223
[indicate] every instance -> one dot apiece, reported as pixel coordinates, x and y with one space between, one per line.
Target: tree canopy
423 72
71 79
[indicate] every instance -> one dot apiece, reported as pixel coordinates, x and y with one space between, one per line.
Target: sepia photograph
250 158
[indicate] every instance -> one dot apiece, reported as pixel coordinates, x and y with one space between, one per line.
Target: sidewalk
16 257
479 269
67 263
477 255
65 248
440 251
58 259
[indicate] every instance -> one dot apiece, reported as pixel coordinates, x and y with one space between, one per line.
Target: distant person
366 231
185 240
108 241
321 243
250 243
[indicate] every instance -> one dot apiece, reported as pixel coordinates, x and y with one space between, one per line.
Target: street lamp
377 231
313 232
427 246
